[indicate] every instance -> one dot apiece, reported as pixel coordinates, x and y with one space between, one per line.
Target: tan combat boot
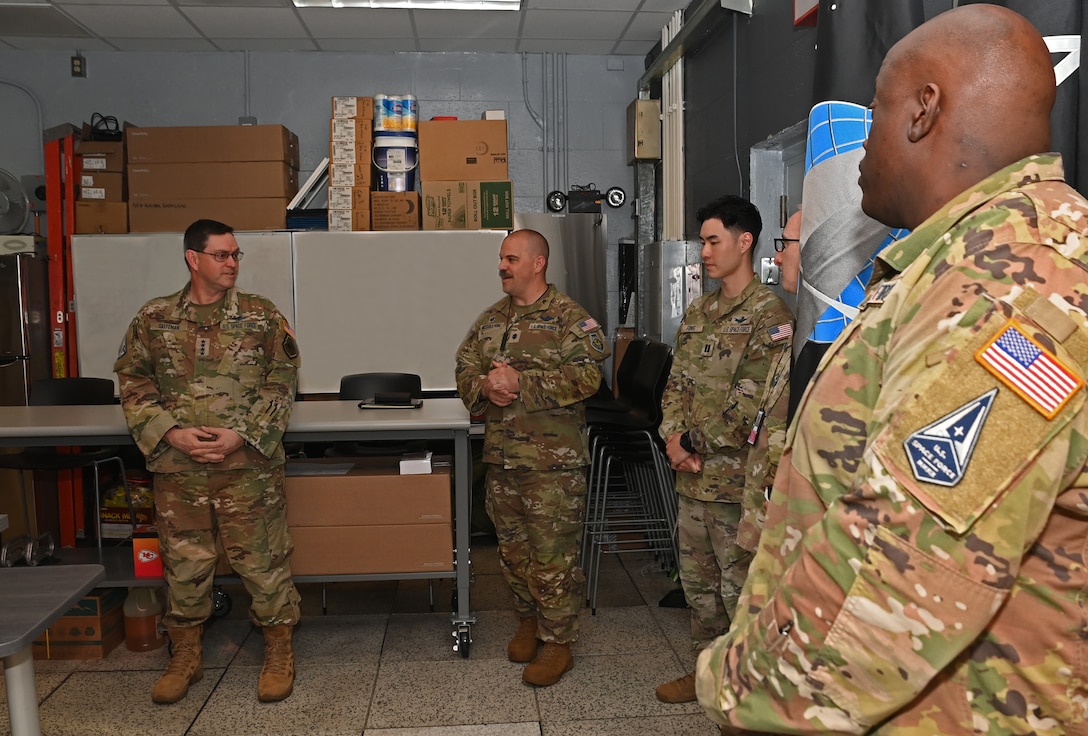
677 691
552 663
278 674
185 666
522 648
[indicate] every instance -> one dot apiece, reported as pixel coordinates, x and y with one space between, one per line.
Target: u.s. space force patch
939 452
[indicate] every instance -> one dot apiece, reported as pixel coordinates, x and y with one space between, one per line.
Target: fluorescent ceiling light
414 4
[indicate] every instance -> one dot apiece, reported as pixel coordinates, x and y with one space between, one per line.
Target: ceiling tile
366 45
112 2
246 22
132 21
40 43
647 27
38 20
265 44
629 5
560 24
478 45
356 23
663 6
237 3
568 46
634 48
454 24
163 44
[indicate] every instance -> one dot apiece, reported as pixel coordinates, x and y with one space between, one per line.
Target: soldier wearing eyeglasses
207 378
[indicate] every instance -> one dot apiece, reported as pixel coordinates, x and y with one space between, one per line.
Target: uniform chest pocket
241 354
720 354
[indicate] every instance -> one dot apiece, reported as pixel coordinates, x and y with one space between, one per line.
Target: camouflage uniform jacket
237 370
720 368
557 348
922 570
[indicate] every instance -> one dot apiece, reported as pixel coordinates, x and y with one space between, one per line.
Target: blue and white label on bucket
396 160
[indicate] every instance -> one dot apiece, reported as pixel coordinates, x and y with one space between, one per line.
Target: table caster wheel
221 602
463 637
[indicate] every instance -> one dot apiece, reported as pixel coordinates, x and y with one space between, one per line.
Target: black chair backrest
73 391
655 361
359 386
629 364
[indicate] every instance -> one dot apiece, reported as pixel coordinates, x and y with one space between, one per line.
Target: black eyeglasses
222 255
781 243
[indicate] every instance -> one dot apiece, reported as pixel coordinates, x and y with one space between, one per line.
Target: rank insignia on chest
708 349
1034 373
939 452
880 293
203 347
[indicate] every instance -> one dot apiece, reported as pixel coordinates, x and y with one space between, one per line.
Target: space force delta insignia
939 452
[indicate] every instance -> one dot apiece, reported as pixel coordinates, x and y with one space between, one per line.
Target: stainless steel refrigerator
24 325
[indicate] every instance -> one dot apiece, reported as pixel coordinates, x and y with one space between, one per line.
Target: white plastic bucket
396 158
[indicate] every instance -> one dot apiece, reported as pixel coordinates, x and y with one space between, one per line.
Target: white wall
294 89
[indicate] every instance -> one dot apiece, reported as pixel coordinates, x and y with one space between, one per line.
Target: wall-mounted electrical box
644 130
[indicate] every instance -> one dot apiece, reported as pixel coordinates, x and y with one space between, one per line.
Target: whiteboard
115 275
389 301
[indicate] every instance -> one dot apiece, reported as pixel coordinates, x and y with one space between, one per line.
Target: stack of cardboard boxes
100 195
465 179
242 175
350 133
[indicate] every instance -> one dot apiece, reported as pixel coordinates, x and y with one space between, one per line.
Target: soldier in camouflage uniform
730 371
922 568
208 377
527 364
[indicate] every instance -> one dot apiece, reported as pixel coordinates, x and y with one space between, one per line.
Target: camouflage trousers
538 517
248 510
712 567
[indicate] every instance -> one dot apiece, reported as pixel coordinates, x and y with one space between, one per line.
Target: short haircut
736 214
196 235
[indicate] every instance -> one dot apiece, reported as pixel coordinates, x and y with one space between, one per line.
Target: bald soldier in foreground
922 568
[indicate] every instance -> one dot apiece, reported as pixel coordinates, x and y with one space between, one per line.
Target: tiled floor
380 663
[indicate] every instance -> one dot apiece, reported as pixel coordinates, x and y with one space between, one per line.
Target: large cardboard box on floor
463 150
91 629
203 143
210 180
394 210
97 217
374 548
174 215
467 205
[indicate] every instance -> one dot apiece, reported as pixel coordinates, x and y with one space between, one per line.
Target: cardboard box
351 129
463 150
204 143
240 179
348 221
372 492
468 205
91 629
355 550
102 156
174 215
350 175
394 210
103 186
349 198
351 152
353 107
117 522
94 217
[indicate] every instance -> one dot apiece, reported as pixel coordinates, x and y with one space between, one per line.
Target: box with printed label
94 217
102 156
205 143
105 186
353 107
348 221
91 629
467 205
394 210
463 150
350 175
349 198
358 492
351 129
351 152
212 180
174 215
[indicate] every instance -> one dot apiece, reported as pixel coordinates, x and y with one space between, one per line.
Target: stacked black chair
631 503
61 392
365 386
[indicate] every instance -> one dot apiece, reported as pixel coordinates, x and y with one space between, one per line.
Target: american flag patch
1029 369
781 332
588 324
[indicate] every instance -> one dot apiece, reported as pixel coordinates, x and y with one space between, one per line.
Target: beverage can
409 113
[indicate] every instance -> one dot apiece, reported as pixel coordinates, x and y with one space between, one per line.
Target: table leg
462 468
22 693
